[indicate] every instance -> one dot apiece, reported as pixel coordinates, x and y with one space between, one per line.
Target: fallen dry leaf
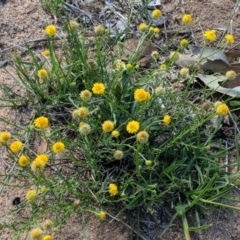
42 146
216 83
232 54
139 51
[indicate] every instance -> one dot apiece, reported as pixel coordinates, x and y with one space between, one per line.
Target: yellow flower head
229 38
119 64
48 225
42 74
148 163
113 189
43 158
184 42
142 27
222 109
118 154
84 128
50 30
129 66
23 161
156 13
184 72
187 18
154 54
231 75
5 137
141 95
81 112
115 133
46 52
174 56
108 126
47 237
159 91
210 35
16 146
58 147
142 137
37 165
73 24
43 189
86 95
151 29
36 234
99 30
163 66
133 127
98 88
41 122
167 119
156 30
102 215
31 195
217 103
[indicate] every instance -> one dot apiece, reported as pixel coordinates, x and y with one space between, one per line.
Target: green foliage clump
114 134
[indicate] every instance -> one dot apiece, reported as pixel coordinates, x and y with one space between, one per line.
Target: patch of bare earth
23 20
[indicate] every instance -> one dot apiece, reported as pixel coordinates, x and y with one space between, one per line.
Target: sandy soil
22 20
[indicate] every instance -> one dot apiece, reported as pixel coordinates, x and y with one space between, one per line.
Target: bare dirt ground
22 20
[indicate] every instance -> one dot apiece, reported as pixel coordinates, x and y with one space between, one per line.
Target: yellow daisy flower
36 234
108 126
98 88
229 38
222 109
16 146
115 133
184 42
187 18
133 127
46 52
210 35
42 74
141 95
142 27
50 30
43 158
47 237
41 122
31 195
58 147
102 215
167 119
5 137
37 165
113 189
156 13
23 161
156 30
